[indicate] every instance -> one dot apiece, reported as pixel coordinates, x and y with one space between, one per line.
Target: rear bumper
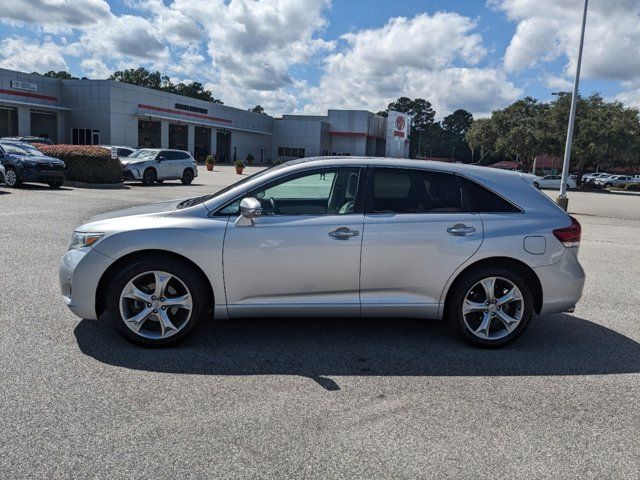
562 283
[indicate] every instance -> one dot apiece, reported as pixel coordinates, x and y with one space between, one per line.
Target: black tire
187 176
535 184
463 285
57 184
11 178
149 176
183 272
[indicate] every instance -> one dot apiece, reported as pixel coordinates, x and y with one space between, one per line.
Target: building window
291 152
85 136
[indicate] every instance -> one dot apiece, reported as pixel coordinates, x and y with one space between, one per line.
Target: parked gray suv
151 165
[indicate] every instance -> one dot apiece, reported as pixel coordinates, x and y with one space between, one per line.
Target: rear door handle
461 230
343 233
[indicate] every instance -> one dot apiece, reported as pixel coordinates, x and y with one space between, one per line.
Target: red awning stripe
354 134
29 95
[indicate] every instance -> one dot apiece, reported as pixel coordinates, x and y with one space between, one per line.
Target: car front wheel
491 306
11 178
155 303
149 176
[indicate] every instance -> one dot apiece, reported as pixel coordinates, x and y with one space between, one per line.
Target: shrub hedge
86 163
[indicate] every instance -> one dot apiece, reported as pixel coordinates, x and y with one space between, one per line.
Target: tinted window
180 155
479 199
414 191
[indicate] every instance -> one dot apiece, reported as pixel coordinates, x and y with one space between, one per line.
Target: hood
153 210
133 161
40 159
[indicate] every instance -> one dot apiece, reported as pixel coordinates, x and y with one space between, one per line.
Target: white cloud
17 53
58 13
548 29
428 56
95 68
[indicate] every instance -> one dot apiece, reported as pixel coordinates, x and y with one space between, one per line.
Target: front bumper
131 174
79 273
42 173
562 283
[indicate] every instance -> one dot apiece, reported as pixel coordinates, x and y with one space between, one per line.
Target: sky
306 56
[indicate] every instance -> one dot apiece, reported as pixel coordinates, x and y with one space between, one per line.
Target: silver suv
333 237
153 165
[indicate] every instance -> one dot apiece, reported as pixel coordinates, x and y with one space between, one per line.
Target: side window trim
359 202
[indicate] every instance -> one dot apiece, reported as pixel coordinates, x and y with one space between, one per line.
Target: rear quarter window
482 200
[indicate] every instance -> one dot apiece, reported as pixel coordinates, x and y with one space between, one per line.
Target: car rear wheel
491 306
187 176
156 302
149 176
11 178
57 184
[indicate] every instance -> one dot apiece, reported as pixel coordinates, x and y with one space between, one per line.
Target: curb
96 186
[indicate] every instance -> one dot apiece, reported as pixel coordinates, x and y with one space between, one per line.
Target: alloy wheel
11 178
493 308
156 305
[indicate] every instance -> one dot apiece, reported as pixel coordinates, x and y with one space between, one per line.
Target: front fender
199 240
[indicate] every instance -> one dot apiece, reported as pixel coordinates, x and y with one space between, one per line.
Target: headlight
81 239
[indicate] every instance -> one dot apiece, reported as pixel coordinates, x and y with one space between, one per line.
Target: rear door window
414 191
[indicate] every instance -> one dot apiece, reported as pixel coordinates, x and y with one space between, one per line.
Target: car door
302 255
168 165
416 234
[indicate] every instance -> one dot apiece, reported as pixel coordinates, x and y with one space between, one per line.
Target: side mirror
250 208
159 157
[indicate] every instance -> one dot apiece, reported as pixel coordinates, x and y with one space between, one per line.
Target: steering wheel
272 205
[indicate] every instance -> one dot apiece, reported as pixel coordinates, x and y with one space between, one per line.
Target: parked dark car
29 139
25 163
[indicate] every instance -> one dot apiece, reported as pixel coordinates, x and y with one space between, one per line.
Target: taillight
569 236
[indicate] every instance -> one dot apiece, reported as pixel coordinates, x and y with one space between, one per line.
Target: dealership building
106 112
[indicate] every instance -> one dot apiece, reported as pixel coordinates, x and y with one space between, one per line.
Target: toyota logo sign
400 123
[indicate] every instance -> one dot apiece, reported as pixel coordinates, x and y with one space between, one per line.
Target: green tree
61 74
482 136
520 130
457 123
257 109
157 81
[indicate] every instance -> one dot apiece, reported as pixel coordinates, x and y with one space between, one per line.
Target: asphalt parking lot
320 398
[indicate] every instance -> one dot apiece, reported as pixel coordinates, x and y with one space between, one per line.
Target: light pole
562 199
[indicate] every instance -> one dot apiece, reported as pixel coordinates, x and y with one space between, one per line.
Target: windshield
143 154
31 150
14 149
198 200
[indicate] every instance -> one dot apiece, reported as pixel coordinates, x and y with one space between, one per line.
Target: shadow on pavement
322 348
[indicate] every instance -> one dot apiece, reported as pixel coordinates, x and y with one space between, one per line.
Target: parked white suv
615 180
153 165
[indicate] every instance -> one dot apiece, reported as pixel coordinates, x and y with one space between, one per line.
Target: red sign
400 123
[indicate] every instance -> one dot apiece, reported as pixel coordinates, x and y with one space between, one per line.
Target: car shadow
35 186
322 348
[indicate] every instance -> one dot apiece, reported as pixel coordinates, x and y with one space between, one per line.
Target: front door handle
343 233
461 230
